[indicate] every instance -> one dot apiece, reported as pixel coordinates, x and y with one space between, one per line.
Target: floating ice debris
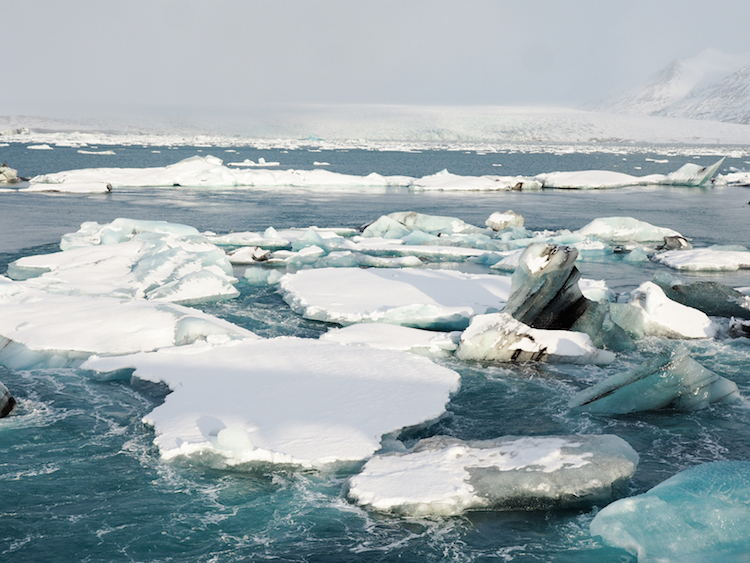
711 297
8 175
625 229
445 181
700 514
545 294
133 259
394 337
499 337
447 476
71 187
705 259
247 162
669 380
299 401
105 153
248 255
43 330
399 224
270 239
43 147
7 402
436 299
651 313
500 221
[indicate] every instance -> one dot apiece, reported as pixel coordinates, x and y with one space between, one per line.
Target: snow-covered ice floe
395 337
705 259
133 259
625 229
39 329
700 514
499 337
447 476
669 380
436 299
285 400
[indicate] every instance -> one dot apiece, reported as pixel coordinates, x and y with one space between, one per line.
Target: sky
82 58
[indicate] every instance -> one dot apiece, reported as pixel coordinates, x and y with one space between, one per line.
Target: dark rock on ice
672 380
7 402
712 298
545 294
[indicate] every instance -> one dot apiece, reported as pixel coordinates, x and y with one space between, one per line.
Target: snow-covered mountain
710 85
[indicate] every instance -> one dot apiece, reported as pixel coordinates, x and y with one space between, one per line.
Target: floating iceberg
670 380
499 337
545 294
133 259
285 400
651 313
700 514
445 181
394 337
399 224
38 329
71 187
500 221
712 298
7 402
705 259
447 476
435 299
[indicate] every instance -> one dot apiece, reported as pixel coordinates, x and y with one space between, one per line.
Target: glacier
444 476
699 514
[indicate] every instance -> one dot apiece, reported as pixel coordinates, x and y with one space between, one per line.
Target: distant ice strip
210 171
285 400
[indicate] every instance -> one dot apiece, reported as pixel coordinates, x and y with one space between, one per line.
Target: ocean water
82 480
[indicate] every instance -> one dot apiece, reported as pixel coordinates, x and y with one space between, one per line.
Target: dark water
82 481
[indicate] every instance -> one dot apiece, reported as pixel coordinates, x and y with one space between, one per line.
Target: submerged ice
700 514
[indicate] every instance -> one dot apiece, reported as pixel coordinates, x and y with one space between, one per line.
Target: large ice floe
700 514
133 259
712 259
416 298
446 476
285 400
672 379
209 171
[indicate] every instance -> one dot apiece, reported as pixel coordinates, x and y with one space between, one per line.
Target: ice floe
625 229
705 259
395 337
39 329
285 400
499 337
447 476
8 175
436 299
669 380
700 514
711 297
133 259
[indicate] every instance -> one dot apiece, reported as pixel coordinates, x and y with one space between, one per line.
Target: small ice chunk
447 476
651 313
700 514
501 221
670 380
499 337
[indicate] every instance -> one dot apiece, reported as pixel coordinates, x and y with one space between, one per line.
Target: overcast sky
81 58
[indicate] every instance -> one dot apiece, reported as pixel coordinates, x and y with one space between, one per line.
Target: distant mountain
710 85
